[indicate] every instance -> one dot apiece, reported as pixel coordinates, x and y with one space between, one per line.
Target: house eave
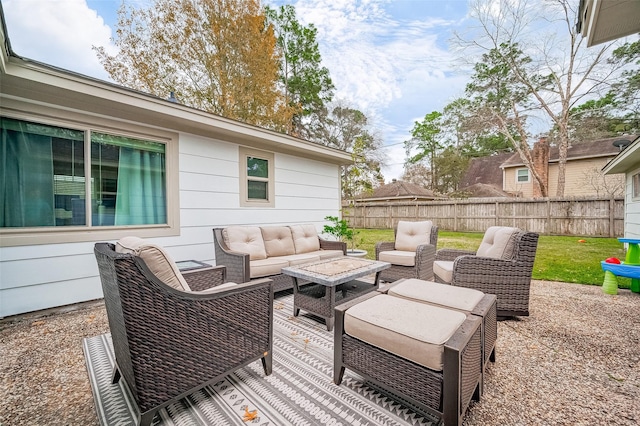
39 83
600 21
625 161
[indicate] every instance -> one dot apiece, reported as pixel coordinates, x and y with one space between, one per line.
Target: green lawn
557 258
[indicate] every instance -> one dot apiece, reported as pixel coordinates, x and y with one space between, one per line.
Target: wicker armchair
404 263
169 343
507 276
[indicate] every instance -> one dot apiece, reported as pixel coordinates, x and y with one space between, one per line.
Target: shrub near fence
587 216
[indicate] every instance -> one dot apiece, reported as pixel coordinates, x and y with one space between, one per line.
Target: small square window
256 178
522 175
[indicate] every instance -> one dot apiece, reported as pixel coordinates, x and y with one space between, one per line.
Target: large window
522 175
48 179
256 177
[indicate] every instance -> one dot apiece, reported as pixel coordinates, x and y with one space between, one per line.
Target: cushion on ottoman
461 298
412 330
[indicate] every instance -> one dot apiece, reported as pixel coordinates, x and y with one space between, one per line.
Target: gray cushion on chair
444 270
498 242
398 257
409 235
156 258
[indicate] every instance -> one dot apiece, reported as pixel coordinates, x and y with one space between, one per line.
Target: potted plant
341 231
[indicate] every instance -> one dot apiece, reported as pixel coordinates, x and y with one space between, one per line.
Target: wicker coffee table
333 281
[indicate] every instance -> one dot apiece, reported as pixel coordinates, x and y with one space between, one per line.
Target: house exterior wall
42 276
582 177
510 184
632 207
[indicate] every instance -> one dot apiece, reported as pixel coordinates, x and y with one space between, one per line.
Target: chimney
540 157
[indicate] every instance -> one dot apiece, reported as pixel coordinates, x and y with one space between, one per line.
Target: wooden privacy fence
585 216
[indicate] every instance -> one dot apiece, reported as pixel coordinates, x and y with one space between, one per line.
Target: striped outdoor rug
300 391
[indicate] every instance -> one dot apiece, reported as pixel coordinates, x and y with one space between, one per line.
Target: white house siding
50 275
631 209
306 191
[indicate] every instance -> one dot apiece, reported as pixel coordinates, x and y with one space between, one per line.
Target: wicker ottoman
464 299
435 369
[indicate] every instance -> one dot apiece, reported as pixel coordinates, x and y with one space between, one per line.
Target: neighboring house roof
626 160
483 190
485 170
398 190
579 151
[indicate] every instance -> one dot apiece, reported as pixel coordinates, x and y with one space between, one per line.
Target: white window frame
518 181
10 237
635 185
244 154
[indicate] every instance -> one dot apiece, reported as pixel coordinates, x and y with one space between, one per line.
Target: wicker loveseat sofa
252 252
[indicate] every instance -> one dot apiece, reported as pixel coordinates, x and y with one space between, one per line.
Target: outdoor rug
300 391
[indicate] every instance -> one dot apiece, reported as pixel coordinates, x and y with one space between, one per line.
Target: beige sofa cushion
327 254
398 257
305 238
157 260
444 270
299 259
245 239
410 235
277 240
265 267
461 298
398 326
498 242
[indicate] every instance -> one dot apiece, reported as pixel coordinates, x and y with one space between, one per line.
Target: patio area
575 360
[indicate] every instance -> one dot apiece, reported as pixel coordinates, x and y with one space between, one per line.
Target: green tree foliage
451 165
470 133
425 142
627 90
347 129
504 99
536 65
215 55
307 84
417 174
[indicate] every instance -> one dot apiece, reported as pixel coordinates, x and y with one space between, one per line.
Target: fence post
612 217
455 216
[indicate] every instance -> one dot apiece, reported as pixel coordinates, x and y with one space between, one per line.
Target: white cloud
59 33
393 70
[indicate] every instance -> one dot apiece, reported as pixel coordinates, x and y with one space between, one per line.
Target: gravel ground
574 361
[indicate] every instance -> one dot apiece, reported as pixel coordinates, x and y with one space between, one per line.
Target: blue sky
388 58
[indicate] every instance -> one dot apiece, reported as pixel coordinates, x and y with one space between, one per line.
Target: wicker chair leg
115 375
146 418
267 363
